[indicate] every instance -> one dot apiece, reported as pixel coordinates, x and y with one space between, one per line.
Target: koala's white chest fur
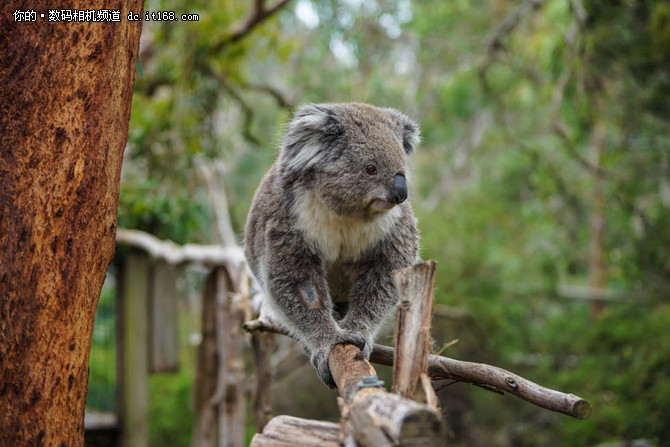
336 237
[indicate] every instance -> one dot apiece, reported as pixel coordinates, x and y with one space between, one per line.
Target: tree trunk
64 113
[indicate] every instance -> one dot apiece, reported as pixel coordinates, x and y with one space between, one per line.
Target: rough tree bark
64 113
412 339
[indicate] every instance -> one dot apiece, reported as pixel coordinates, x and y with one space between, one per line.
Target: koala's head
353 156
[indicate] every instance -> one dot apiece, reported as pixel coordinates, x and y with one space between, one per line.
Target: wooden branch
378 418
290 431
510 22
429 391
264 325
496 41
488 377
348 367
260 14
247 110
562 131
495 379
175 254
412 332
279 97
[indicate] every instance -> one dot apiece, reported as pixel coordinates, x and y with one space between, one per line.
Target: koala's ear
410 135
303 146
410 131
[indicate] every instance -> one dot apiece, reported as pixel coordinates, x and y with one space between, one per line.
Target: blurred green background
542 185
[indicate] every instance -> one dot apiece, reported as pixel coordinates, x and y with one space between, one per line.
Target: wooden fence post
262 343
133 347
220 402
163 342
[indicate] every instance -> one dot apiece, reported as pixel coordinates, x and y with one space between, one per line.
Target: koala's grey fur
322 229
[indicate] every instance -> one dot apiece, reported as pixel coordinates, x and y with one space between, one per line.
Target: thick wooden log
289 431
378 418
412 331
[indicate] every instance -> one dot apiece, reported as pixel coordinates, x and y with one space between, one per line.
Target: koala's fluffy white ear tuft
410 135
302 147
410 131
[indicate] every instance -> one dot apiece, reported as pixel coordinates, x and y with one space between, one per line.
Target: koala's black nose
399 191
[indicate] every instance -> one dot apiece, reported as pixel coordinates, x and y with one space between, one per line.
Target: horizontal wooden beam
175 254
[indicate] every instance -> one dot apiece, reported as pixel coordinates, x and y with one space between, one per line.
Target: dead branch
412 331
496 41
495 379
247 110
264 325
488 377
561 130
279 96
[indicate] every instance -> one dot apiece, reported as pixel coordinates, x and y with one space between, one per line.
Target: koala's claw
319 357
368 344
353 338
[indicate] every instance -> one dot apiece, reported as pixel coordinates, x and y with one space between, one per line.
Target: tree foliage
512 97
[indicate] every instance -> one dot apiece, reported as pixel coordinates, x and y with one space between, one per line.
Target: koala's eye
371 170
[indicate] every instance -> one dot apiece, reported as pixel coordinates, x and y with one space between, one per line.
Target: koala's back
266 211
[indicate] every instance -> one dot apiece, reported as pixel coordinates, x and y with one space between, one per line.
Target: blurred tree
65 102
543 177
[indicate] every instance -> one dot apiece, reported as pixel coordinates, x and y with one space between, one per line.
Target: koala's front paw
368 340
319 359
367 350
352 338
319 356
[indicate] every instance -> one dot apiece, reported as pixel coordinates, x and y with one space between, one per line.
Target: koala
330 222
